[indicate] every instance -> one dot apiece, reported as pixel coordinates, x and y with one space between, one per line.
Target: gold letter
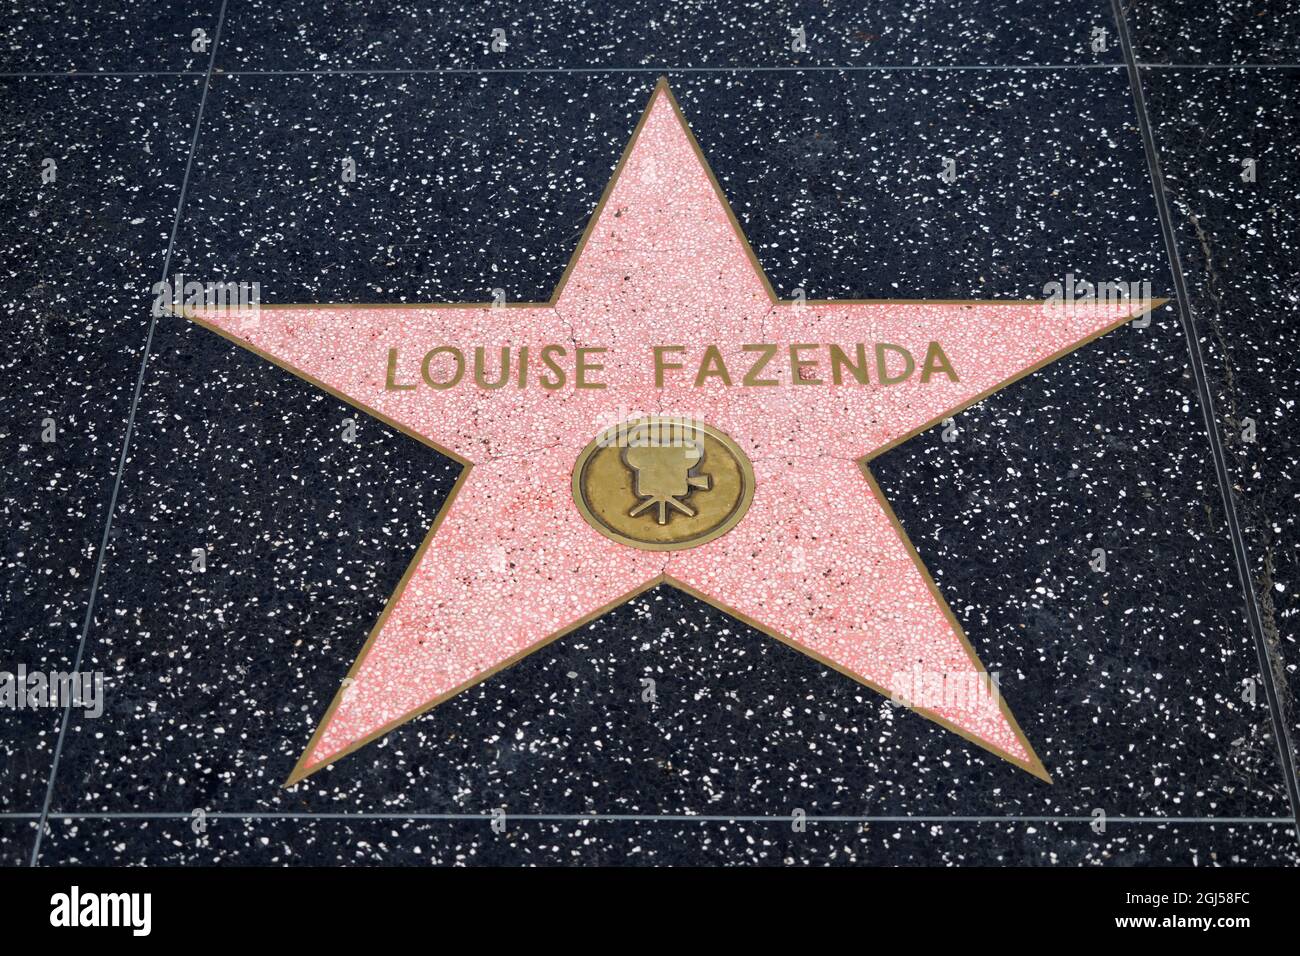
547 352
765 354
455 354
479 358
797 365
661 365
579 380
523 367
712 366
389 384
882 374
936 361
859 370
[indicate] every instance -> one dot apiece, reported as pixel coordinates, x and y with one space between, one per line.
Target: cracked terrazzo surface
1238 242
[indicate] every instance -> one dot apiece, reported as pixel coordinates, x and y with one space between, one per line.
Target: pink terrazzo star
819 560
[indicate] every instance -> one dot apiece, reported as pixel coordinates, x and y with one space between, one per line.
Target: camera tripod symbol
663 477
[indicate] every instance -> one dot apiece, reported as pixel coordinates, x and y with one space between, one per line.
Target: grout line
1220 66
52 74
661 70
656 817
657 70
126 441
1241 555
513 71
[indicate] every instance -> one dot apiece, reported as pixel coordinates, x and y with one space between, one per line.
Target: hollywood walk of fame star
513 561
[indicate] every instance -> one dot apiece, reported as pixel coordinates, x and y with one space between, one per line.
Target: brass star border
301 770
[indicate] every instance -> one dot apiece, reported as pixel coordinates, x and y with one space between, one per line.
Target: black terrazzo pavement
79 256
1195 32
1128 682
554 34
62 36
1240 242
687 843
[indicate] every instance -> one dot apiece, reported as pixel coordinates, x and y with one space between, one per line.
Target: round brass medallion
663 483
